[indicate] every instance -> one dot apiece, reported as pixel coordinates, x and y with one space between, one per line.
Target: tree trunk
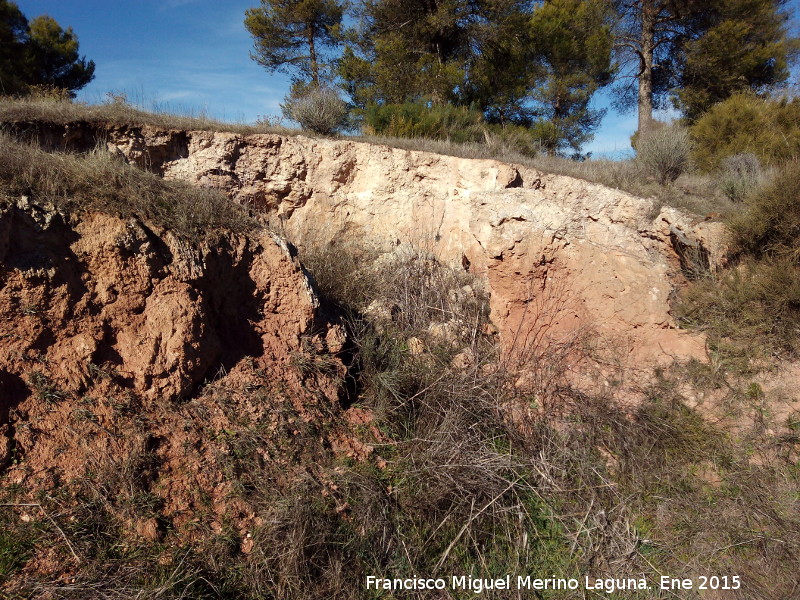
312 54
647 45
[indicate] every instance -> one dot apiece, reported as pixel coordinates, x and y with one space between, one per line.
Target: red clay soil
137 370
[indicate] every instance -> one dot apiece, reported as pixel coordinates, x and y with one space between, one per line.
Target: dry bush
319 110
664 153
769 226
740 175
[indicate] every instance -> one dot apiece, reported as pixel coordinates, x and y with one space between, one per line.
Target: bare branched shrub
664 153
318 109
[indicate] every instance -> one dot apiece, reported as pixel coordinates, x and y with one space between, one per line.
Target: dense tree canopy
407 50
742 45
13 35
39 53
699 51
529 63
572 39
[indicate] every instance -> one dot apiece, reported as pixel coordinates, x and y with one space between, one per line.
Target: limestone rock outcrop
562 257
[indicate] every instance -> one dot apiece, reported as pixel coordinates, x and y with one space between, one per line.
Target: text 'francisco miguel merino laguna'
509 582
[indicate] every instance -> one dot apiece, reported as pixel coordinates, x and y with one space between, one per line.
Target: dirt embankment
133 357
562 257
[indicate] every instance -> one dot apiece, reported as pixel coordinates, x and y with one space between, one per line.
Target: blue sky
193 56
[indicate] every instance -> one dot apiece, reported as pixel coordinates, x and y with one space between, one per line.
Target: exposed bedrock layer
561 256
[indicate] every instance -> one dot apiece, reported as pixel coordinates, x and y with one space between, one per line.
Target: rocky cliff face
562 257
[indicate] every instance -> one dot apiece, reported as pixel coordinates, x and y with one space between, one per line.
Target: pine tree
39 53
292 35
53 58
647 33
572 40
466 52
406 50
13 37
502 64
744 46
699 52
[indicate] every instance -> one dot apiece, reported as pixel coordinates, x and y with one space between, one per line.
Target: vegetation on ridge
529 64
99 180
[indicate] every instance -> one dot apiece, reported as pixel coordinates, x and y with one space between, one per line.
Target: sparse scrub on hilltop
455 124
117 111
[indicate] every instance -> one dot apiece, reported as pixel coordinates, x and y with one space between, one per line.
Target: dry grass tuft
99 180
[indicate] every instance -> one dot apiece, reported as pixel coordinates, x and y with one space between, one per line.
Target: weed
15 550
45 389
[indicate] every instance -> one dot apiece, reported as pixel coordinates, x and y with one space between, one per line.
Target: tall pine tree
699 51
647 34
407 50
292 36
572 41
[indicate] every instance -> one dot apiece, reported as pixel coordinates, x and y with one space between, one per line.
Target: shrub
769 129
417 119
317 109
457 124
664 153
770 227
751 313
740 174
753 309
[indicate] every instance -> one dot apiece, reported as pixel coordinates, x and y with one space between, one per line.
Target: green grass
14 551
